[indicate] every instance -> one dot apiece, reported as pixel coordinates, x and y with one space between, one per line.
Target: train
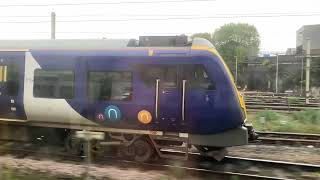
143 95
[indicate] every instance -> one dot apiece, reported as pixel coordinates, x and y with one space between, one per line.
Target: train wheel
73 146
143 150
127 151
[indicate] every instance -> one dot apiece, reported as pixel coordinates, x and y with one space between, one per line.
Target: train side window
9 78
110 86
56 84
166 73
197 77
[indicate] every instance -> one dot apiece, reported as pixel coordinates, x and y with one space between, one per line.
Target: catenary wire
168 18
102 3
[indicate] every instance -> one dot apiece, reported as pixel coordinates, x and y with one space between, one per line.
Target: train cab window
110 86
57 84
167 74
9 79
197 77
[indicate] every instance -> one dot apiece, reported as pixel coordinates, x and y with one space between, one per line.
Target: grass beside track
18 174
298 122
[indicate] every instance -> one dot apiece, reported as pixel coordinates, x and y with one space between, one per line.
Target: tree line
241 41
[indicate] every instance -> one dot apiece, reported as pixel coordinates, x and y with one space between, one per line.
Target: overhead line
185 18
102 3
179 33
179 15
168 18
23 22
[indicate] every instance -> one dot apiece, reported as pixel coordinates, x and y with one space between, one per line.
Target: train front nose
252 135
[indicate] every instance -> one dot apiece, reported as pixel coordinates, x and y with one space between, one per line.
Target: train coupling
252 135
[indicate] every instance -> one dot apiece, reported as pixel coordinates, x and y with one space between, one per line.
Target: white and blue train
136 93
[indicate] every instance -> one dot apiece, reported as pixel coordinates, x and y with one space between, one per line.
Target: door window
166 73
197 77
9 78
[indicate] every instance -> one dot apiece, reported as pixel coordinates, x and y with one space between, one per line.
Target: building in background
291 51
260 73
312 32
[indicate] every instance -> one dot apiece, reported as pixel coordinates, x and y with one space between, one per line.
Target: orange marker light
144 117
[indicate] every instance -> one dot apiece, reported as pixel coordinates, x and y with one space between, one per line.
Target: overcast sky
277 21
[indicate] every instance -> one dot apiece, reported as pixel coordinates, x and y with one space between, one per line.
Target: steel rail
273 163
289 134
159 165
288 138
204 172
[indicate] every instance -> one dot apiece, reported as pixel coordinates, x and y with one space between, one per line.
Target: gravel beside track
197 168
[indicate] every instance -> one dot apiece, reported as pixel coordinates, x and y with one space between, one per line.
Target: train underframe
138 145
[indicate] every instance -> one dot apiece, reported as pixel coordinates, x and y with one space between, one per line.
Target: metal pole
53 25
88 159
301 80
277 73
308 59
236 70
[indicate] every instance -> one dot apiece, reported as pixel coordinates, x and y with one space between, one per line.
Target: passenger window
110 86
166 73
57 84
197 77
9 78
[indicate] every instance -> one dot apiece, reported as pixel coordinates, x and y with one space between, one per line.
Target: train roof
145 42
58 44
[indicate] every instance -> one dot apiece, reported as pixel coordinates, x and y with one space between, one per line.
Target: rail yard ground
300 122
303 154
13 168
18 174
22 169
21 166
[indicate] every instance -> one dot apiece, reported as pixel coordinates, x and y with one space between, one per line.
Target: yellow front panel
5 74
1 73
215 52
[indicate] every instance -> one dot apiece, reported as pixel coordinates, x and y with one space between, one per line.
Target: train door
168 101
199 95
11 85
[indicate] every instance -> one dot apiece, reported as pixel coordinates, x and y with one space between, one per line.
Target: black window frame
162 83
109 100
182 71
8 81
73 83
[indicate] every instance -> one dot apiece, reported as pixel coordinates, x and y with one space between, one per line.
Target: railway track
279 102
289 138
199 166
200 171
260 105
282 107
